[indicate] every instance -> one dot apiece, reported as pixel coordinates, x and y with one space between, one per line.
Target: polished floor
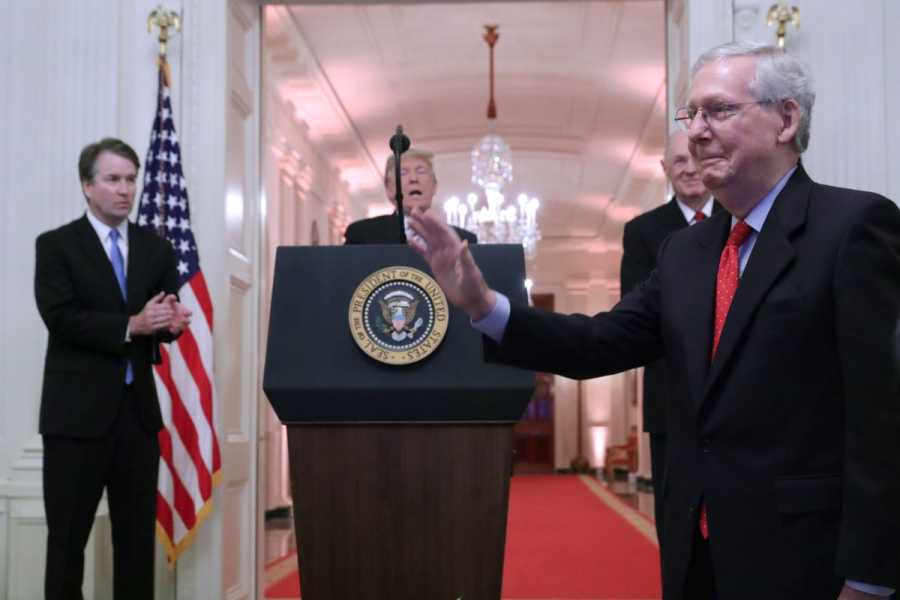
639 497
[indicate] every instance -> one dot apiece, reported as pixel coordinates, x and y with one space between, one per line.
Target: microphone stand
399 144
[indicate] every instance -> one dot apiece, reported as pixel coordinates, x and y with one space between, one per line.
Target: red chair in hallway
623 456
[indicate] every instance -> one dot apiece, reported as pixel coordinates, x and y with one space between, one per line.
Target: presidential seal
398 315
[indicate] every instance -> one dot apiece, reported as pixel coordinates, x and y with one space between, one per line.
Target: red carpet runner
567 539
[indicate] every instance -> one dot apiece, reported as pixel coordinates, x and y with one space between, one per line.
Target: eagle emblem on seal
398 309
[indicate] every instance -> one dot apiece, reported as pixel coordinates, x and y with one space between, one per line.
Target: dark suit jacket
79 300
790 434
385 230
641 242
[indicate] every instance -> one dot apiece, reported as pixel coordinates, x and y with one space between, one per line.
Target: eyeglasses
713 114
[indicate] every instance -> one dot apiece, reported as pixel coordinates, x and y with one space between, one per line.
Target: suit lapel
138 256
96 255
697 296
673 217
771 256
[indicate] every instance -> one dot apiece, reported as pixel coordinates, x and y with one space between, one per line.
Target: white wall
75 72
67 83
851 49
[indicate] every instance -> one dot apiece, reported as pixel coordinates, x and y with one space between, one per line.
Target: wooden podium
399 474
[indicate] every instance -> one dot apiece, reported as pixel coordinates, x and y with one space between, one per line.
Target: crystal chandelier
492 162
495 221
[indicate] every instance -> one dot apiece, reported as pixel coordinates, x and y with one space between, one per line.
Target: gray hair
779 76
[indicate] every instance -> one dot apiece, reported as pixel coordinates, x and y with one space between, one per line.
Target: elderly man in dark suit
105 289
643 237
776 318
418 183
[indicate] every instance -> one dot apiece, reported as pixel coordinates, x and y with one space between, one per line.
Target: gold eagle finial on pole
781 15
164 20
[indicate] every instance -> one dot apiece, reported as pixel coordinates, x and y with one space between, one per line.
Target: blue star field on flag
164 201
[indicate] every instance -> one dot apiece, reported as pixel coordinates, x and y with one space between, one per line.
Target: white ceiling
580 91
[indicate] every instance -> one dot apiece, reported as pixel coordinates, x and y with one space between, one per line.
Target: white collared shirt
690 214
410 232
756 218
103 230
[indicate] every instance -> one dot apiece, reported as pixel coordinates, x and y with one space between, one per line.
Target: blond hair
423 155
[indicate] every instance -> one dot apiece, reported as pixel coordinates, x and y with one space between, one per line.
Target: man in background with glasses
777 320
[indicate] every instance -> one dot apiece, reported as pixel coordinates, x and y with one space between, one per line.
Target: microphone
399 144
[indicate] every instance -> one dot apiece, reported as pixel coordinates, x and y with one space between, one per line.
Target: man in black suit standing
777 320
690 204
418 183
106 291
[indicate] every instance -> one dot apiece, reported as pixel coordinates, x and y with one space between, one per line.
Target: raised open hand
452 264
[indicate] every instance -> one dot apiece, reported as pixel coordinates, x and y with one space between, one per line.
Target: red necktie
699 216
727 279
726 286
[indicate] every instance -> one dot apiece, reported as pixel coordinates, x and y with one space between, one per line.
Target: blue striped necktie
118 263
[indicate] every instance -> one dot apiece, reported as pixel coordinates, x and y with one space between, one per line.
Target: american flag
190 464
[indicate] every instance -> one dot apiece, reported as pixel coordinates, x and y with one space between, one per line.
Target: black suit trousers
700 583
125 462
658 472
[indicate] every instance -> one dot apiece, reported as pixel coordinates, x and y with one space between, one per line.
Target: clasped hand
162 312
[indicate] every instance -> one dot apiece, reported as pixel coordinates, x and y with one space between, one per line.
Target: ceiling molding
307 57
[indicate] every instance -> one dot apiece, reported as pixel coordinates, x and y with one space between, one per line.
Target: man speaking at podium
777 321
418 184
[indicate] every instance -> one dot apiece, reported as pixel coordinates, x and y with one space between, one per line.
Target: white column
572 299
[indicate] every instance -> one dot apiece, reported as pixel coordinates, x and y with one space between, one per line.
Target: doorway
580 91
